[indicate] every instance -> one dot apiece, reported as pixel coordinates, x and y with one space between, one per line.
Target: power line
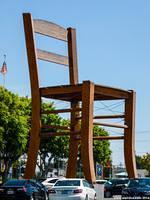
109 107
145 131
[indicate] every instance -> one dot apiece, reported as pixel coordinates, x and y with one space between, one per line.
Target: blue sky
113 41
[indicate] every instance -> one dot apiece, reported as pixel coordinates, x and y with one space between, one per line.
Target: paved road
117 197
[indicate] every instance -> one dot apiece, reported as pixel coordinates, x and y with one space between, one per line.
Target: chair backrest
32 26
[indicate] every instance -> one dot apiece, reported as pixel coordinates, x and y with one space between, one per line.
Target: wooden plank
35 126
66 89
129 140
87 131
73 143
52 57
53 134
72 54
55 126
113 93
108 137
108 116
50 29
111 125
75 125
61 111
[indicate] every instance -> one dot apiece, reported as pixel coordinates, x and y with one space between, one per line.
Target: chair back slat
52 57
50 29
32 26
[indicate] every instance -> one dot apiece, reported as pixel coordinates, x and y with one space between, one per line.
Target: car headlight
124 192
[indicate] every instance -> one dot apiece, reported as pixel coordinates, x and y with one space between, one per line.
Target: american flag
3 70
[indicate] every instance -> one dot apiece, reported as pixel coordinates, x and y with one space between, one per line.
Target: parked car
101 181
138 188
72 189
49 182
114 187
23 190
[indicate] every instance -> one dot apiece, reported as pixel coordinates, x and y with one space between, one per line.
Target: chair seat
74 92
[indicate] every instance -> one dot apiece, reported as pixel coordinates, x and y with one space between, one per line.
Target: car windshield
41 179
108 183
68 183
15 183
52 181
116 181
139 183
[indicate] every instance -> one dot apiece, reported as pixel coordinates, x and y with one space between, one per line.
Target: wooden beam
36 102
105 116
108 137
62 111
73 143
53 134
52 57
75 126
64 89
129 140
112 92
72 54
111 125
87 131
104 137
50 29
55 126
108 116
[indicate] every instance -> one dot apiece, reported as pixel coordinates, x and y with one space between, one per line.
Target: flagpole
4 70
3 80
4 73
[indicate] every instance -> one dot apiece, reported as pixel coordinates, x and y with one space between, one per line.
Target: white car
49 182
75 189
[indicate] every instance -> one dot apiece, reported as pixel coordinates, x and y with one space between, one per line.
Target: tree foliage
14 127
146 162
143 162
139 163
101 148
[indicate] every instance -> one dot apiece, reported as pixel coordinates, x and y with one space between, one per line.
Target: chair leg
87 131
34 141
129 139
72 160
73 145
32 152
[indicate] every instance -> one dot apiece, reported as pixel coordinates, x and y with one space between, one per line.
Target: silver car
73 189
49 182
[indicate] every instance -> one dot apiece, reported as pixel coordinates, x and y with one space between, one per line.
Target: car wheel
86 198
108 194
46 197
32 198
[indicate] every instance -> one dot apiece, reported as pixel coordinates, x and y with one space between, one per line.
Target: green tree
139 163
14 128
101 148
146 162
143 162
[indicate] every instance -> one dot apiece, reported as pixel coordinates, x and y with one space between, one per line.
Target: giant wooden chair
81 98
